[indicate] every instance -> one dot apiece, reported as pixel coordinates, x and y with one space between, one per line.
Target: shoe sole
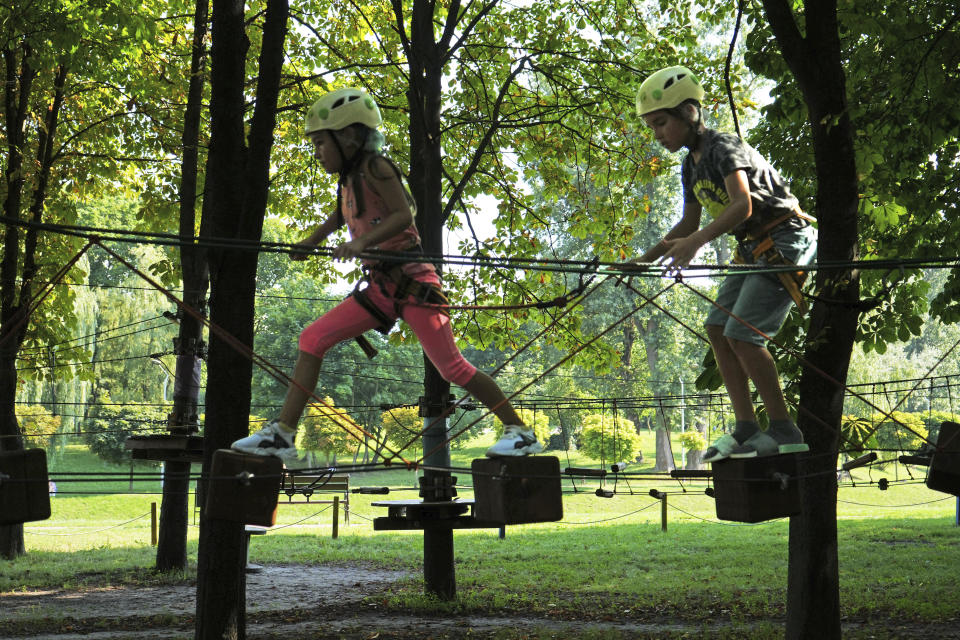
276 453
782 449
716 458
517 453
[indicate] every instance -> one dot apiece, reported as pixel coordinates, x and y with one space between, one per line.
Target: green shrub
606 438
107 430
38 426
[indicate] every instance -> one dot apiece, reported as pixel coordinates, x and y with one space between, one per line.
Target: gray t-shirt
724 153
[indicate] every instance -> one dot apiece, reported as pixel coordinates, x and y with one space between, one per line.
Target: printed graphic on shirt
711 198
722 154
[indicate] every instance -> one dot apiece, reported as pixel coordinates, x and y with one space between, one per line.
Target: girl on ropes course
746 197
377 209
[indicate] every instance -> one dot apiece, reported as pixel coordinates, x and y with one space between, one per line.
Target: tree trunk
665 461
425 55
813 600
236 193
16 265
664 452
174 509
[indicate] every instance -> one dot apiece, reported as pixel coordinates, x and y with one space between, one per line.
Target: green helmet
341 108
666 89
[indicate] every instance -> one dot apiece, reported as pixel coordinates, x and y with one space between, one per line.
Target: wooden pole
663 512
336 517
153 524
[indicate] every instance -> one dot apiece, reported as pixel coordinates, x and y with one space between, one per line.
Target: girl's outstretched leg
305 374
517 439
436 338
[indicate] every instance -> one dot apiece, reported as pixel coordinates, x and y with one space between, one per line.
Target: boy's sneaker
515 441
271 440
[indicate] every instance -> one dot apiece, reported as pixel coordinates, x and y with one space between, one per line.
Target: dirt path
321 603
272 589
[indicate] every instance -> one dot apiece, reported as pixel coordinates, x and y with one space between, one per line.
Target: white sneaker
271 440
515 441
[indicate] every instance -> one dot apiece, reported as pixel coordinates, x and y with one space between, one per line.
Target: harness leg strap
792 280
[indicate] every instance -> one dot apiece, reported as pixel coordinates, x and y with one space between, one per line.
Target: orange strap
792 280
765 229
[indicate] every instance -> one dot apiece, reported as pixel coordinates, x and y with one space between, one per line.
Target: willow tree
60 137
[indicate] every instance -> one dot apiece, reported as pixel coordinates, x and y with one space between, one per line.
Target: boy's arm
681 251
688 224
385 183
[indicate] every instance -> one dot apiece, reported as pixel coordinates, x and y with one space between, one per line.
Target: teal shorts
760 299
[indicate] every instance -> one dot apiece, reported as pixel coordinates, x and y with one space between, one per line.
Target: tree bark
236 194
20 264
174 508
426 54
813 600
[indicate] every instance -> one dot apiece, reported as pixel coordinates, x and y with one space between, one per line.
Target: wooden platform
406 515
757 489
166 447
24 486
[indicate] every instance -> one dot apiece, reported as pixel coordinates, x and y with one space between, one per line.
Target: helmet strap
693 139
349 163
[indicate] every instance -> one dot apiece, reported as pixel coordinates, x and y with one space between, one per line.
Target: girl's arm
385 183
328 226
681 251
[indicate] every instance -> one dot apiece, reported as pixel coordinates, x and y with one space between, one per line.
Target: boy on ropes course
377 209
747 198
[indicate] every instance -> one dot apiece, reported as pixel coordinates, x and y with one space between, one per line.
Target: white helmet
668 88
341 108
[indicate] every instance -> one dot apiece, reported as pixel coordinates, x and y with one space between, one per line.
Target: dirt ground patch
79 613
321 603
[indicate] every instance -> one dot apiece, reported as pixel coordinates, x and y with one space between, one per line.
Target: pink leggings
349 319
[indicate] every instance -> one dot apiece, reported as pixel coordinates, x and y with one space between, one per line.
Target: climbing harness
768 251
423 293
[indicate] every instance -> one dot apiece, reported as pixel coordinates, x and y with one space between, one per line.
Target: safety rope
340 418
806 363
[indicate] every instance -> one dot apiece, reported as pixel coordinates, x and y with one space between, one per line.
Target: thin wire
85 533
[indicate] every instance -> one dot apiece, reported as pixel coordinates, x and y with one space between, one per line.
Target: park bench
301 488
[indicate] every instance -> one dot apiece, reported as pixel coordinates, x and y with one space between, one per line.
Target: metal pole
683 424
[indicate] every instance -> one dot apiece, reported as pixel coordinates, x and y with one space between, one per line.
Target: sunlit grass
898 549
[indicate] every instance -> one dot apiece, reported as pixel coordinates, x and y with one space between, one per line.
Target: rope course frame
577 296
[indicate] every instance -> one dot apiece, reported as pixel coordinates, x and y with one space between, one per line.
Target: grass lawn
899 549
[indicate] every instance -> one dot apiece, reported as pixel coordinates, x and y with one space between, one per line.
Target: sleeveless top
375 211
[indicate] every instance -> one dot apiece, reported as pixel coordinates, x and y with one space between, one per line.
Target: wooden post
153 524
663 512
436 486
336 517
